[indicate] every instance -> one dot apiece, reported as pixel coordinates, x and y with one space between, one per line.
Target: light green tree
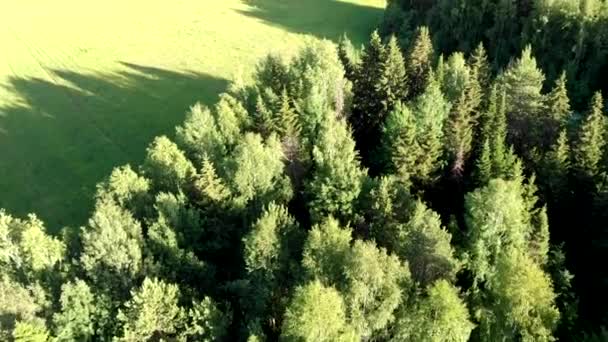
316 313
338 176
152 312
74 322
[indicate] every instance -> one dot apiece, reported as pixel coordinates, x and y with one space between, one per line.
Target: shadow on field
321 18
70 130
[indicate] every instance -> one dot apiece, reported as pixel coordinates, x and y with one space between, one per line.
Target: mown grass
85 85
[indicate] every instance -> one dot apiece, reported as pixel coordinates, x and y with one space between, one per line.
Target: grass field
85 85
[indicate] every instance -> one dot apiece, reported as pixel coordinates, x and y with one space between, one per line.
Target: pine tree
379 85
420 59
430 111
556 167
483 165
480 67
401 150
461 126
559 103
338 176
392 80
523 83
349 57
588 151
367 103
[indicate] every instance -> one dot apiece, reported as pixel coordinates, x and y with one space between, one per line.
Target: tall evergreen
588 151
420 62
523 83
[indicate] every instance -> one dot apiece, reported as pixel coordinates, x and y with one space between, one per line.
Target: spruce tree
555 168
349 57
523 83
392 80
559 104
588 151
480 67
367 103
420 62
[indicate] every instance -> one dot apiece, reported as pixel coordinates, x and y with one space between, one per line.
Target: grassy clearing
85 87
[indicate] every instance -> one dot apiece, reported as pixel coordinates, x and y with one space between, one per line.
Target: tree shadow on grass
321 18
68 133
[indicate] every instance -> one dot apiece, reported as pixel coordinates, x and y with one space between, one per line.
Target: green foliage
514 295
206 322
75 320
326 251
337 178
30 332
420 62
112 249
441 315
167 165
317 313
588 151
369 279
425 244
27 251
256 170
126 188
525 301
152 312
523 83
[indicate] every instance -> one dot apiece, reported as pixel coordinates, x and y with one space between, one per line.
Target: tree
167 165
524 301
588 150
425 244
337 178
480 66
523 83
317 313
420 60
326 251
555 168
349 56
367 101
401 150
75 320
126 188
369 279
255 171
30 332
112 249
512 295
152 312
558 105
270 250
379 85
430 110
441 315
374 289
206 322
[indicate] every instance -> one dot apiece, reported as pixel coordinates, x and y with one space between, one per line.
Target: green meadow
86 85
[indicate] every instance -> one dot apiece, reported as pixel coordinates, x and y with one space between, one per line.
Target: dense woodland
445 182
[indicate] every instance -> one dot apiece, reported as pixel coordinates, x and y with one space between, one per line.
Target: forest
447 181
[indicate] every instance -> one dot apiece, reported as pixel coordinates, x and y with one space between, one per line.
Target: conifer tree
480 67
588 151
556 167
378 87
367 102
338 176
420 63
349 57
558 105
523 83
